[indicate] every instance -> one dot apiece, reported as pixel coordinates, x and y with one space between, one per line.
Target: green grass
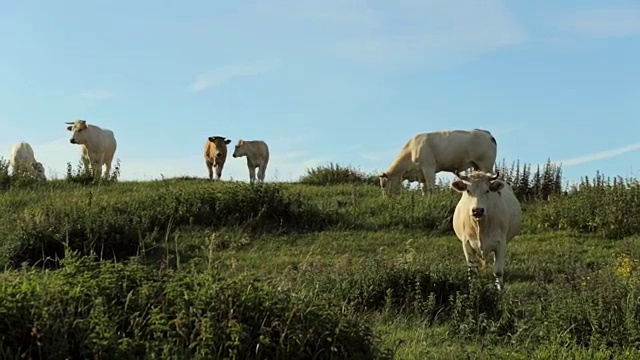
327 268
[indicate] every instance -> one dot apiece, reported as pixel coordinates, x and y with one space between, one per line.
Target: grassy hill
324 268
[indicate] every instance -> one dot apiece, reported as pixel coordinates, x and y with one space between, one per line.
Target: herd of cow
486 218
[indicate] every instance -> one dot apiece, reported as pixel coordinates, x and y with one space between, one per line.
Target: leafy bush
116 311
335 174
117 226
608 209
82 175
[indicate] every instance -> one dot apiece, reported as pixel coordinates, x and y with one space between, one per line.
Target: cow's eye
469 192
487 191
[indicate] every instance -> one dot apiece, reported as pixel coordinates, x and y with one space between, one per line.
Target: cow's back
21 152
260 148
455 149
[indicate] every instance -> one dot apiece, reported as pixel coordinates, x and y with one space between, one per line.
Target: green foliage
82 175
335 174
296 302
610 209
116 311
92 219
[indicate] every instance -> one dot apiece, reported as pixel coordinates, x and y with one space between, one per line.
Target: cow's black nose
72 141
477 212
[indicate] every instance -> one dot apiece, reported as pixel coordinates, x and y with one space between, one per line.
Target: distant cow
215 155
487 217
98 146
23 161
257 153
447 150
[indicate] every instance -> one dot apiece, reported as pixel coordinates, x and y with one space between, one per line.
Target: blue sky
346 81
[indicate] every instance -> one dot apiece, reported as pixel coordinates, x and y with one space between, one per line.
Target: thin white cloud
596 156
436 34
225 73
96 94
605 20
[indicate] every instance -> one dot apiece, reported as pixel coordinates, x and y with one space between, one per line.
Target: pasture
324 268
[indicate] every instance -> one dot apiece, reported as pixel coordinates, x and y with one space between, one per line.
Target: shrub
335 174
116 311
82 175
116 226
608 209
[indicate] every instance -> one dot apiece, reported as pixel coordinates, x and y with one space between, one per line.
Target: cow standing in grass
215 155
257 153
23 161
98 146
447 150
487 217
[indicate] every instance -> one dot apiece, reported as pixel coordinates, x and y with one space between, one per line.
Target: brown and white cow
215 155
487 217
257 153
98 146
446 150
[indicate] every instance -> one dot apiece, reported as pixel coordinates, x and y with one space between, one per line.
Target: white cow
98 146
257 153
446 150
23 160
486 218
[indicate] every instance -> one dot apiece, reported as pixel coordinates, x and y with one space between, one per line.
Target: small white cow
257 153
98 146
446 150
23 161
487 217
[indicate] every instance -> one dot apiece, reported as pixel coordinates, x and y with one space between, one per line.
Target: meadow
325 268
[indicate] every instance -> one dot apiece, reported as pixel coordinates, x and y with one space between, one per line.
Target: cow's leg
472 260
498 265
261 172
96 165
210 168
86 164
421 184
218 171
252 173
429 177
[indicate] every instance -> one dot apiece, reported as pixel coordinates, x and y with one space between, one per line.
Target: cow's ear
211 139
227 141
383 175
69 127
496 185
459 185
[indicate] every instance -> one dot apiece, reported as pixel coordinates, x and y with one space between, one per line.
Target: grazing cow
215 155
23 161
487 217
98 146
257 153
447 150
411 175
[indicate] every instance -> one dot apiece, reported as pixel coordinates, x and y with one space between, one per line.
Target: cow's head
79 130
390 183
219 146
479 189
39 169
240 150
